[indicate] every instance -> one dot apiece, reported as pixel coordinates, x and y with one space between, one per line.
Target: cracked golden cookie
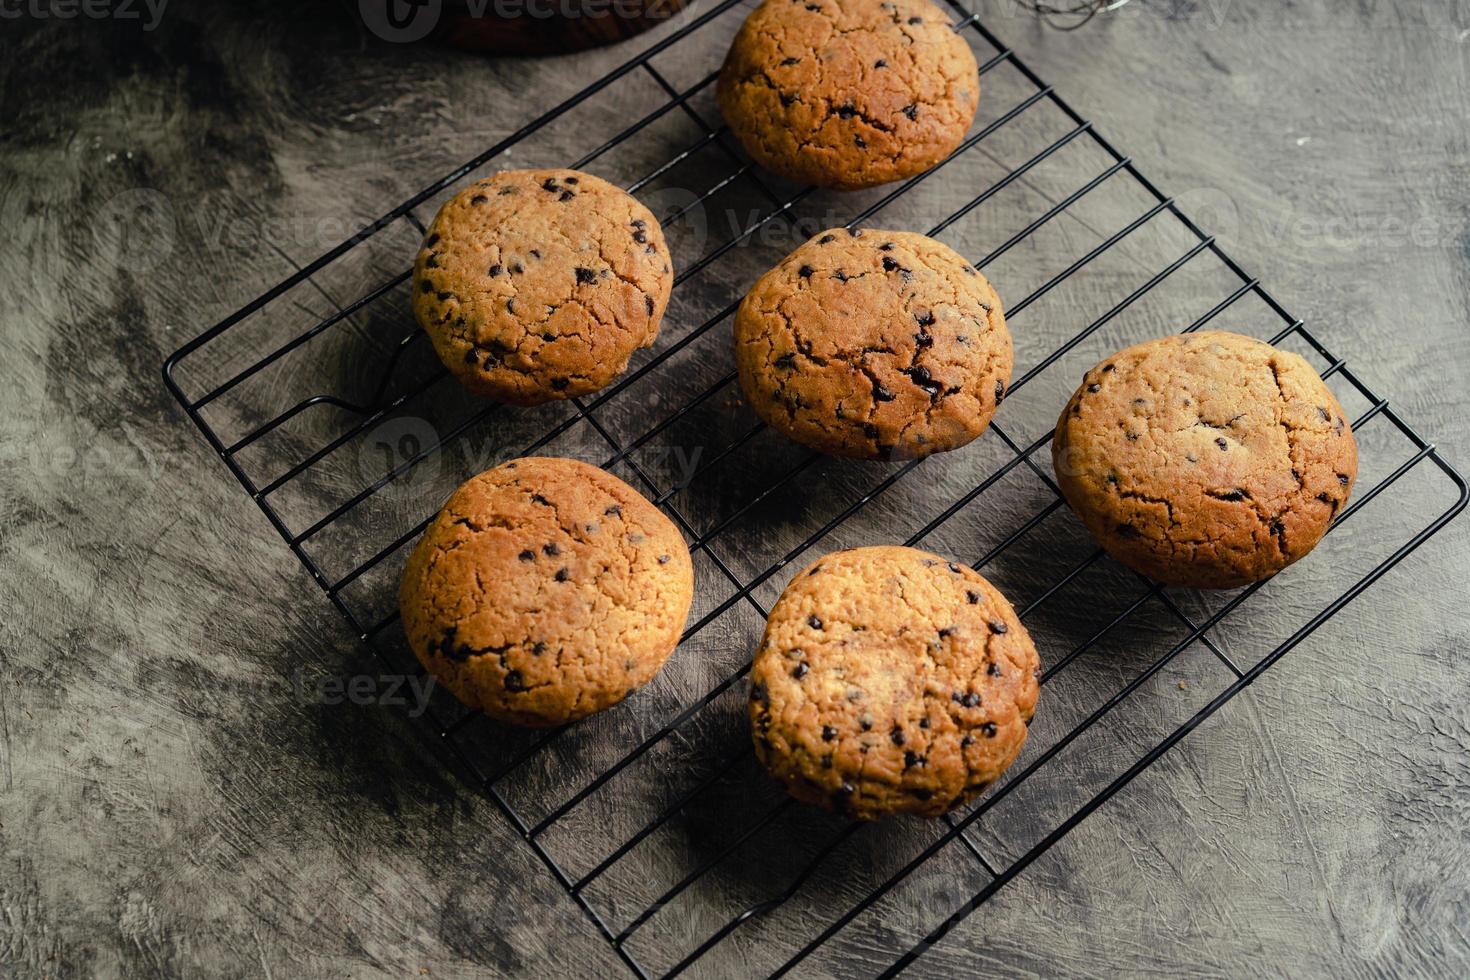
890 680
1208 460
539 284
874 345
848 93
546 590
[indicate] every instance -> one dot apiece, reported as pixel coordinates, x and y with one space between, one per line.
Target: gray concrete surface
186 793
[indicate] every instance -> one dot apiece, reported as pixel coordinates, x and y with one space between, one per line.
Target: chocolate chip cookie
539 284
848 93
874 345
1208 460
890 680
546 590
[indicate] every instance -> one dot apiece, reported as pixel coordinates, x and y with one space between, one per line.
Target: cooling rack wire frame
492 757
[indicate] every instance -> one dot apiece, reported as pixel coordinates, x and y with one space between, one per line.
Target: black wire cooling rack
340 424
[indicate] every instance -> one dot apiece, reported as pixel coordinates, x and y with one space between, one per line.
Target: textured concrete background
181 796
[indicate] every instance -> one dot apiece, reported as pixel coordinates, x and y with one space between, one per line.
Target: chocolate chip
846 111
882 394
1110 367
787 99
514 681
786 362
562 574
896 735
443 295
840 276
814 622
865 723
814 6
585 276
566 196
560 384
870 430
788 62
923 722
889 265
496 269
925 319
425 286
550 550
911 759
805 272
613 511
470 357
800 670
974 597
999 628
859 142
966 742
1000 392
1323 414
947 631
828 733
1222 444
993 669
916 20
479 199
880 63
826 238
1342 478
988 729
549 184
922 794
827 761
510 306
920 376
910 110
1094 389
571 180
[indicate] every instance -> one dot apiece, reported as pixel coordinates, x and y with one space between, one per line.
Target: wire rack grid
652 817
